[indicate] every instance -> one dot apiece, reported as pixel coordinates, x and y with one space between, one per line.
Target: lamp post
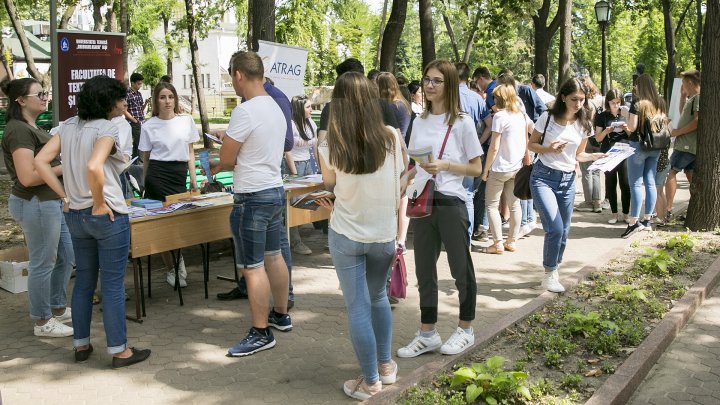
603 11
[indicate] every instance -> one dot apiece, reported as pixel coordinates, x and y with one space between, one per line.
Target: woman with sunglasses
38 209
299 161
443 123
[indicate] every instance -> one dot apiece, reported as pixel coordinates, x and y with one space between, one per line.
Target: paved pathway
308 365
689 371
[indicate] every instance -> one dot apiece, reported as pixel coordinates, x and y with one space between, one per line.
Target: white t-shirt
512 127
125 134
167 140
301 148
259 124
366 204
462 146
572 134
545 96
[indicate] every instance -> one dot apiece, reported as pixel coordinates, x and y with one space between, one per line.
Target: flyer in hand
308 201
422 155
619 152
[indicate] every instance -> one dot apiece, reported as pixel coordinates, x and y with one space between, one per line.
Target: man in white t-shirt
252 148
538 84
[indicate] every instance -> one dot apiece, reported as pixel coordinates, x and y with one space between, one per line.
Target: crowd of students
481 130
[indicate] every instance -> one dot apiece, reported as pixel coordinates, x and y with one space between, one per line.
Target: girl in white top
448 224
166 143
508 149
298 162
566 128
362 161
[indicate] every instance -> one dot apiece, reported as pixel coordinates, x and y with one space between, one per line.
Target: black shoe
234 294
291 304
631 229
83 355
138 355
481 236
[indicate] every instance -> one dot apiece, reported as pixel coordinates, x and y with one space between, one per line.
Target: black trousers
611 182
448 225
135 137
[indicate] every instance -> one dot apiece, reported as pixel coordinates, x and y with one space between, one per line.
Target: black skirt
165 178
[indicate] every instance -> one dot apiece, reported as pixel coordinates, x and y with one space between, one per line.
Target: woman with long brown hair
440 124
362 161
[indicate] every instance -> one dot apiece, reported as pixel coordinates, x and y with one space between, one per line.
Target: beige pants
502 183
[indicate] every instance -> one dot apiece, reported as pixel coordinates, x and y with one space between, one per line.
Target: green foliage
681 244
607 367
571 381
658 263
587 325
605 342
553 346
152 67
491 383
626 293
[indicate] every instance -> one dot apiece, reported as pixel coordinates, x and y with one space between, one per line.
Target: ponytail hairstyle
15 89
559 108
298 117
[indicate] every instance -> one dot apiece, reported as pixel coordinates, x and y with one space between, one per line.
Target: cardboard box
14 269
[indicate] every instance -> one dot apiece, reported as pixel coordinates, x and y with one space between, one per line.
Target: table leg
205 247
226 278
149 280
137 318
142 287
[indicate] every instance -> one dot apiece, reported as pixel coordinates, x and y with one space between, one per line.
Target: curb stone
619 387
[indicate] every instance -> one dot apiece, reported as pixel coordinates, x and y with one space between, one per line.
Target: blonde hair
451 91
651 107
390 90
506 98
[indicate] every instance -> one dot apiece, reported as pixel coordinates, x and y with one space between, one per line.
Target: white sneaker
605 204
171 279
551 282
301 249
420 345
458 342
53 328
182 271
388 372
65 317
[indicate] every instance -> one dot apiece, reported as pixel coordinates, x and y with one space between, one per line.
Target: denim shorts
680 161
256 224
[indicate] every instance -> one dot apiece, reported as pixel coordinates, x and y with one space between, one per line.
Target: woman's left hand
436 166
325 203
485 176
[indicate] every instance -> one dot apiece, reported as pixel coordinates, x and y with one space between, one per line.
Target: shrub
491 383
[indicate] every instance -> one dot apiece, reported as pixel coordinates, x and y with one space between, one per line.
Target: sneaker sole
636 230
259 349
415 354
388 379
281 328
452 353
68 334
357 395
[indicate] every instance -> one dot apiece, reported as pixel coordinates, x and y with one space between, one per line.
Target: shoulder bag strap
542 138
442 149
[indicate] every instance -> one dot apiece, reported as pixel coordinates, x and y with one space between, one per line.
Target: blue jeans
101 249
50 252
554 193
256 226
362 269
527 211
641 169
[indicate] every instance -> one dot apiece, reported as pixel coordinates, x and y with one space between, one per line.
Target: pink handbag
398 276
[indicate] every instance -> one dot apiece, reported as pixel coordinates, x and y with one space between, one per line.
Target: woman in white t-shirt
440 124
559 138
362 161
508 149
299 161
166 142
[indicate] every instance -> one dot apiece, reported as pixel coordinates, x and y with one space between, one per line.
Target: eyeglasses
435 82
41 95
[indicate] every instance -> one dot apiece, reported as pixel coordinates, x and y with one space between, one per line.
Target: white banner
285 65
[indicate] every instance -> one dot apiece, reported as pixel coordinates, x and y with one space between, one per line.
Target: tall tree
191 21
698 32
704 208
263 21
450 31
110 20
67 14
125 29
427 32
24 44
565 13
97 14
391 38
543 35
381 32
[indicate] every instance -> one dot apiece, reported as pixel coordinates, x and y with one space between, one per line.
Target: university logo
64 44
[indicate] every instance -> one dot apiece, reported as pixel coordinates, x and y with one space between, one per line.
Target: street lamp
603 10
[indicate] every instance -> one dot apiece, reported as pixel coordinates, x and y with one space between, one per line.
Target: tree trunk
168 44
451 34
67 15
6 66
111 21
704 209
391 38
427 32
383 17
195 63
565 11
249 41
471 37
124 28
698 33
263 22
543 37
97 15
24 44
670 69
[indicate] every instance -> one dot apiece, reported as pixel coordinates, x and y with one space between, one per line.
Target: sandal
509 246
493 249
